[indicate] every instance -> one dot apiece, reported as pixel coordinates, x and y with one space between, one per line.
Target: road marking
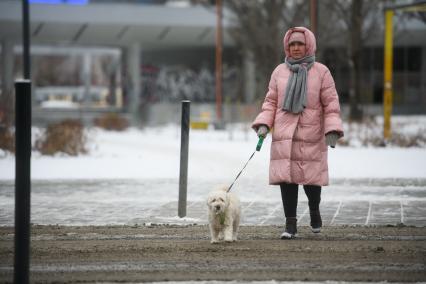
370 205
336 213
248 206
270 215
303 214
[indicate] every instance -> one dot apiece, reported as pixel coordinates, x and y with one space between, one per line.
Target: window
414 59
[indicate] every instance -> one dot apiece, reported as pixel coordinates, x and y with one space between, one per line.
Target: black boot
316 221
290 228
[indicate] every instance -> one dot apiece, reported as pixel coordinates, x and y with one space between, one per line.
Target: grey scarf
295 93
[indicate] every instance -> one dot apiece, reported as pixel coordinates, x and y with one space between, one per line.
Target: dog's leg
214 235
227 232
235 228
220 235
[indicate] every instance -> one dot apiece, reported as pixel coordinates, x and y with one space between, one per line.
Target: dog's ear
209 199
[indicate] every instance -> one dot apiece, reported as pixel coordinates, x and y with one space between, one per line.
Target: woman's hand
331 138
262 131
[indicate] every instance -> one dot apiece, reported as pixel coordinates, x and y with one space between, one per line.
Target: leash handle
259 143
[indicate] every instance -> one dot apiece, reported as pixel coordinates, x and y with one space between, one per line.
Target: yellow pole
388 62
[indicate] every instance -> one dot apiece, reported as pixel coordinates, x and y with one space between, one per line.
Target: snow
58 104
377 163
154 153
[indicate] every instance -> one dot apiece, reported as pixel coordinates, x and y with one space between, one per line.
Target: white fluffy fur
224 215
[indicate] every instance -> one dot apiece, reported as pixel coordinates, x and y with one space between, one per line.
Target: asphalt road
163 253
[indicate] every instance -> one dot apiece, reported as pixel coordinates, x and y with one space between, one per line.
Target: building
152 53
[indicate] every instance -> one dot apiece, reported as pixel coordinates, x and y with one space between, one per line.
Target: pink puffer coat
298 150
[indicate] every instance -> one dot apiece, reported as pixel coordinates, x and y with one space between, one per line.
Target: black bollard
22 180
184 143
26 39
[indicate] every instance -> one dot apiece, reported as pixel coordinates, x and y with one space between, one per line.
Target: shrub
414 140
66 137
111 121
369 132
7 139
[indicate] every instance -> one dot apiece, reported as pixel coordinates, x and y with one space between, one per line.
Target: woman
302 107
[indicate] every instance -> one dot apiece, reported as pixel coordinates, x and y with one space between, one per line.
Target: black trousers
289 195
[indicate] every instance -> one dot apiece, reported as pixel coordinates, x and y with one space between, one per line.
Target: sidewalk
410 213
137 202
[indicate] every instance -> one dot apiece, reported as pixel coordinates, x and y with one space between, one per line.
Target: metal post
135 76
219 61
184 142
22 181
26 38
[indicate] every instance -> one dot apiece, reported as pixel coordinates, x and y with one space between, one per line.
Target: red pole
219 60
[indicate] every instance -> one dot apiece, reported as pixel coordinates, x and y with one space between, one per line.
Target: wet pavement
130 202
115 254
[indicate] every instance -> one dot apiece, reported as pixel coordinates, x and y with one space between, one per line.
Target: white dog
224 215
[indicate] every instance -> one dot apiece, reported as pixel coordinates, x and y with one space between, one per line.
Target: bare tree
355 57
259 28
359 21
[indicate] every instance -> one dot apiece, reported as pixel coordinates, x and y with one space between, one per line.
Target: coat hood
310 41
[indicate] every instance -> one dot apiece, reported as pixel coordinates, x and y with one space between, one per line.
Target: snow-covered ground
153 153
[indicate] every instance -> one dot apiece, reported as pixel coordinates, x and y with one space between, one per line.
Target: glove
331 138
262 131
